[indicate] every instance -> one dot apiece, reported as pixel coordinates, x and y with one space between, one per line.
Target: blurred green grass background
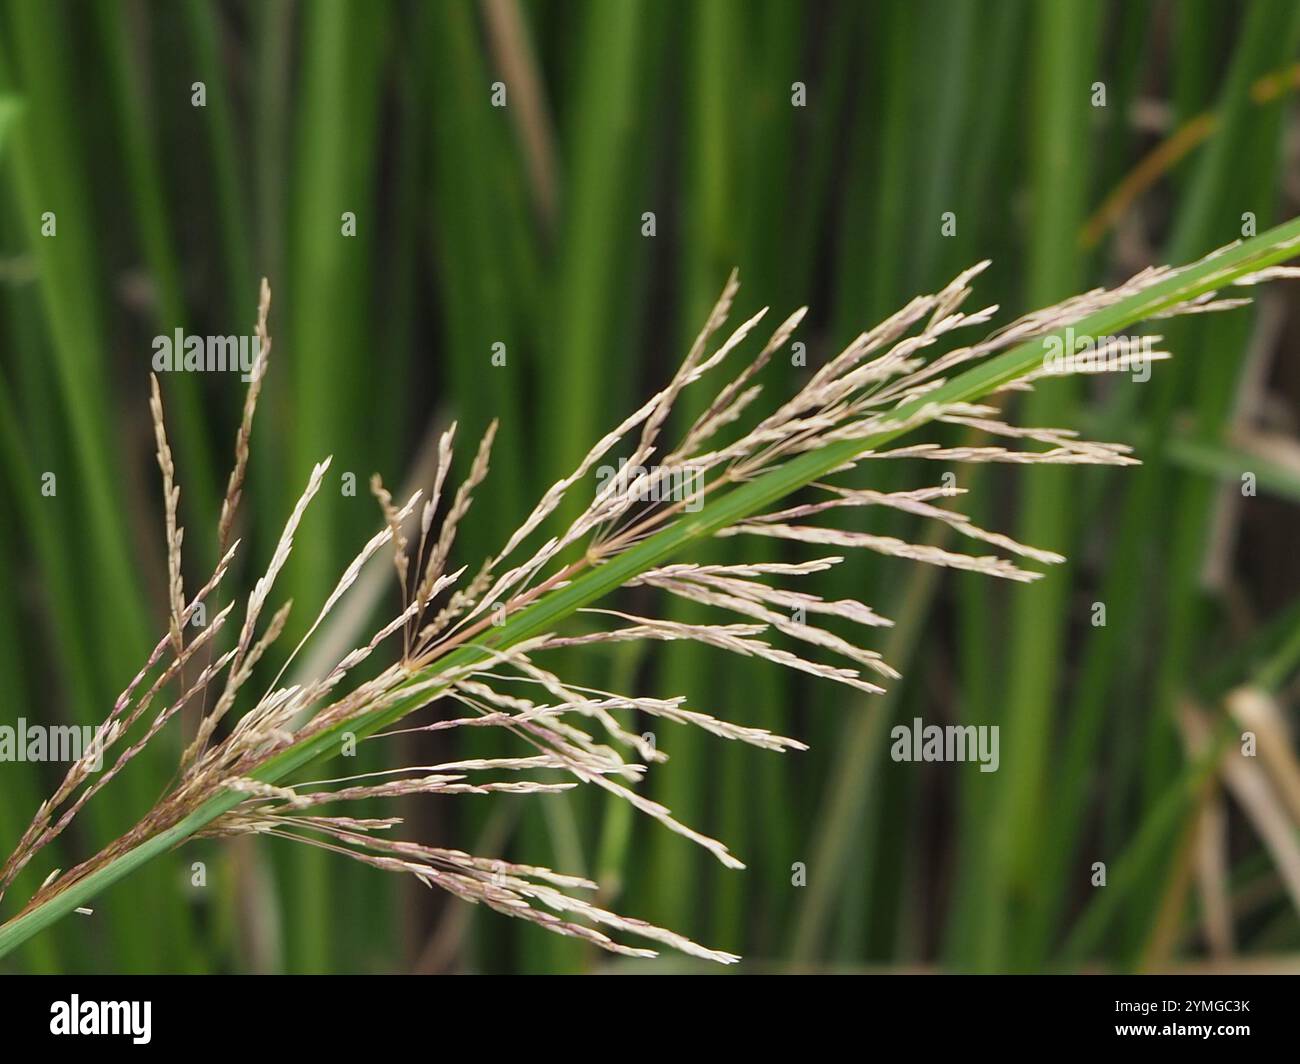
524 225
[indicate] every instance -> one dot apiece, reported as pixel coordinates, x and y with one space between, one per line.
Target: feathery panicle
467 671
464 498
171 500
235 485
238 674
425 591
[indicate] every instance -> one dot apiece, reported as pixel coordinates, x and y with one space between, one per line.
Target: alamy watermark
655 483
1067 353
76 1017
179 353
58 742
951 742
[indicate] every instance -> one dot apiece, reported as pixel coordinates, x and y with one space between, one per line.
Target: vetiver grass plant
474 640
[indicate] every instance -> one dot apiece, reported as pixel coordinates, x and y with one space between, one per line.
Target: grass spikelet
171 501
